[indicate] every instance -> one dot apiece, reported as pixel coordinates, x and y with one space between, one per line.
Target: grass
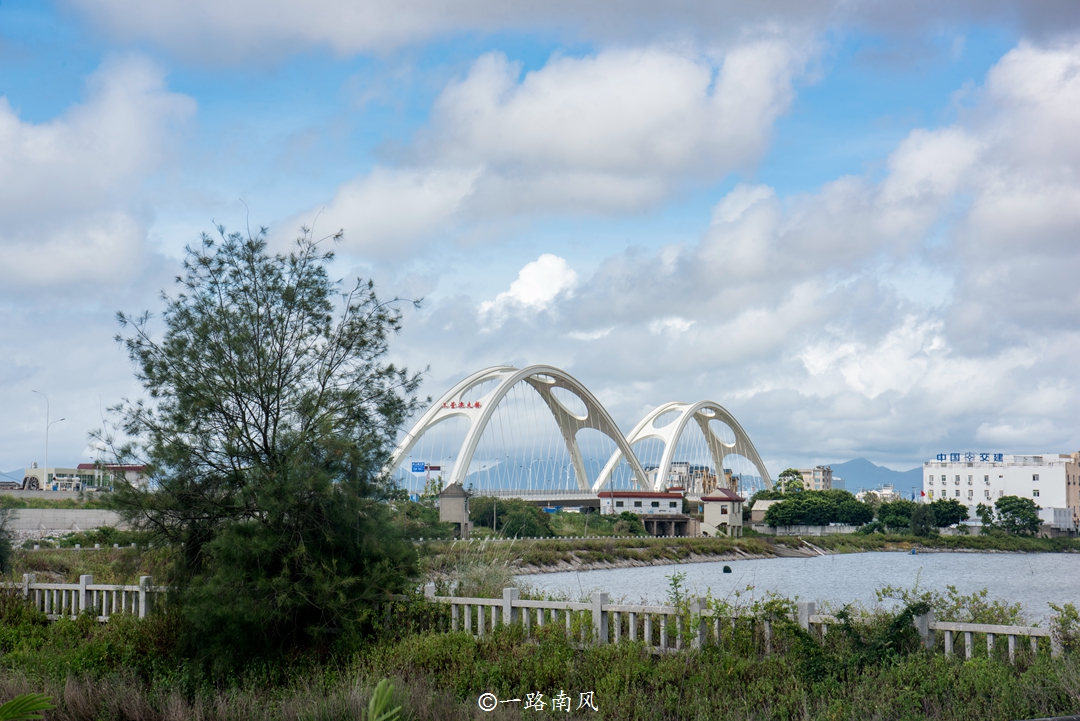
9 501
127 669
855 543
106 565
443 556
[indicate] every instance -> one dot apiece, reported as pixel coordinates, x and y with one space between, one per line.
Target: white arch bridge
538 433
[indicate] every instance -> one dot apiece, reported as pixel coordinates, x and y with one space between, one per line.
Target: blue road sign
419 467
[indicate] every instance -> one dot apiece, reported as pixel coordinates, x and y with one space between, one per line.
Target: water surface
1032 579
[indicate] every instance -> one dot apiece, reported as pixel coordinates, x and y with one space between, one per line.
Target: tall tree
923 520
270 415
1017 515
791 481
949 512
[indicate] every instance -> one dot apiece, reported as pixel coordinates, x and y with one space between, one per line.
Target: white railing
928 626
668 628
68 600
662 629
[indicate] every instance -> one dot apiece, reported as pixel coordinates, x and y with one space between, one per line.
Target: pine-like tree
270 415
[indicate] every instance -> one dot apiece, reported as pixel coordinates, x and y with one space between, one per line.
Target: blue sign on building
419 467
955 457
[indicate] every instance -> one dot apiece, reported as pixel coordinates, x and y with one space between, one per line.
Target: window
986 479
637 504
618 504
931 494
943 479
1034 476
969 480
957 481
987 492
673 504
970 493
1001 493
723 510
931 480
957 492
1035 493
656 504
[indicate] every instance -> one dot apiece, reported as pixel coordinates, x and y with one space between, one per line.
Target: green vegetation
85 501
1015 516
870 665
444 557
857 542
790 481
272 416
817 508
512 517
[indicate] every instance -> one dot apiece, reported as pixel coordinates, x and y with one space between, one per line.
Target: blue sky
853 224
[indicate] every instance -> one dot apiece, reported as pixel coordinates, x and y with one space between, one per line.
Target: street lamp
45 472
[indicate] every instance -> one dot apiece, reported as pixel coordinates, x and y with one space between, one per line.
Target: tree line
796 507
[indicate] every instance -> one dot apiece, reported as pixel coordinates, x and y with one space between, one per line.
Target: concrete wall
61 519
804 530
51 495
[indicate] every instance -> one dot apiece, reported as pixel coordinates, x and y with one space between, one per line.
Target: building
1051 480
454 508
723 513
83 477
818 478
885 493
641 502
757 513
661 513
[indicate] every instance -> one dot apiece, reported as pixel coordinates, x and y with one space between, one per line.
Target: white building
86 475
641 502
723 513
1049 479
885 493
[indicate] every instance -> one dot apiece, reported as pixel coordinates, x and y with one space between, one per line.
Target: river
1032 579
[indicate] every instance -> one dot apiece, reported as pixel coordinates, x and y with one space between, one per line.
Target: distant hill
861 473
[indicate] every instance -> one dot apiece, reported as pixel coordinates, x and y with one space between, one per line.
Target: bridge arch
677 415
495 383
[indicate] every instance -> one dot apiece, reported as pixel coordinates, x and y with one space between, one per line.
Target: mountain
861 473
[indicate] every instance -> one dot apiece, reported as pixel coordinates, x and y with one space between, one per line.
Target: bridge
539 434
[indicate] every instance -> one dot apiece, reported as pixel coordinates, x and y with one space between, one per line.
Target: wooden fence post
27 579
599 616
806 610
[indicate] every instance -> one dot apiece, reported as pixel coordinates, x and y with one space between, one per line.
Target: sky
855 224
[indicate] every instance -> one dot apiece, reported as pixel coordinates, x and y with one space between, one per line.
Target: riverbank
557 555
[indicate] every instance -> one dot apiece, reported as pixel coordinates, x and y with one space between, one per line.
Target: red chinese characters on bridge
455 404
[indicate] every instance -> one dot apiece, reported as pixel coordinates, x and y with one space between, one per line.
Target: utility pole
45 471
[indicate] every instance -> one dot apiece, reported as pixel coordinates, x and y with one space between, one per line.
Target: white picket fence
665 629
59 600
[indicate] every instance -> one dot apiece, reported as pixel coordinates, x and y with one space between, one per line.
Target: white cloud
388 212
71 208
216 30
673 326
614 132
869 317
537 286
